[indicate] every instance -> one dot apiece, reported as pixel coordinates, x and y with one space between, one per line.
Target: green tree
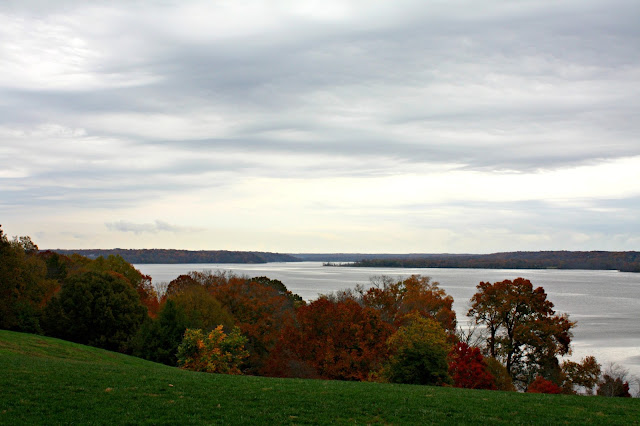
97 309
158 339
201 309
419 353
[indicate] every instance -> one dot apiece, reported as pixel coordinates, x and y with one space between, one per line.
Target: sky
321 126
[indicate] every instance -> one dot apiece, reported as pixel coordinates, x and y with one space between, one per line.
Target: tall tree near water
523 330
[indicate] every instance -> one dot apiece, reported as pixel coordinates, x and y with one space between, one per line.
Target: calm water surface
606 304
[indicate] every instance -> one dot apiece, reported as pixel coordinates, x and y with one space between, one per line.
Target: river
605 304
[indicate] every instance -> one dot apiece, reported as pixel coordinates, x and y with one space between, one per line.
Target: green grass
49 381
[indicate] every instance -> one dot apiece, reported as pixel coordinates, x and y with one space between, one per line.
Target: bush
216 352
541 385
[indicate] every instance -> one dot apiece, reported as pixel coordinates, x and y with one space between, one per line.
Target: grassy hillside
52 381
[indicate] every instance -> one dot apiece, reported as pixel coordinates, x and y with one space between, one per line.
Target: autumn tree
24 286
179 284
215 352
418 353
468 369
259 310
395 299
523 330
584 374
336 339
614 382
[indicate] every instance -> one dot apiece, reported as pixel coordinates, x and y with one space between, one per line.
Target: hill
53 381
138 256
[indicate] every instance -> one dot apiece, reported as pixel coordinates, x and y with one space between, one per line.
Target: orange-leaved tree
395 299
336 339
259 310
523 330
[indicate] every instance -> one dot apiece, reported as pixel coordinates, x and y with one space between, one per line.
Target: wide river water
605 304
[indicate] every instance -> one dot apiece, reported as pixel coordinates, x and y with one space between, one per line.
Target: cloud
108 107
139 228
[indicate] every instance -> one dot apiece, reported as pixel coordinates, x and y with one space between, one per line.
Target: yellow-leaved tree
216 352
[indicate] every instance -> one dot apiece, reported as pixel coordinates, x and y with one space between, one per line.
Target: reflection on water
606 304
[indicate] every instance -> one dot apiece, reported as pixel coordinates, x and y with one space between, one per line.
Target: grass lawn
50 381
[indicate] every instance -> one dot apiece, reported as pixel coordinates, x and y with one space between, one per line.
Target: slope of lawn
44 380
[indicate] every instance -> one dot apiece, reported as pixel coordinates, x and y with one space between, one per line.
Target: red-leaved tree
468 369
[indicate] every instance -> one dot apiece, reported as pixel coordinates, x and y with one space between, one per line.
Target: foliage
280 288
615 387
187 307
523 330
541 385
468 369
614 382
501 378
584 374
202 310
395 299
180 284
335 339
24 287
158 339
140 282
418 353
216 352
260 311
98 309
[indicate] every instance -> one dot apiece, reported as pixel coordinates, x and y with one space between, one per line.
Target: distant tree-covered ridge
625 261
138 256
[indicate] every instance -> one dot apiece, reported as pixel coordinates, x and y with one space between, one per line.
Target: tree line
392 331
140 256
626 261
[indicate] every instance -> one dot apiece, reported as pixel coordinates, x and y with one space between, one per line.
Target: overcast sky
320 126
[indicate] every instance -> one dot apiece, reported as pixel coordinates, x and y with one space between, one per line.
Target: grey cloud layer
498 86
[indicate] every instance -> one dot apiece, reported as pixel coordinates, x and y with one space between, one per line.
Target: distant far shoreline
148 256
624 261
592 260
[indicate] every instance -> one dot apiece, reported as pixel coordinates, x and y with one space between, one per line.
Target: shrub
541 385
216 352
